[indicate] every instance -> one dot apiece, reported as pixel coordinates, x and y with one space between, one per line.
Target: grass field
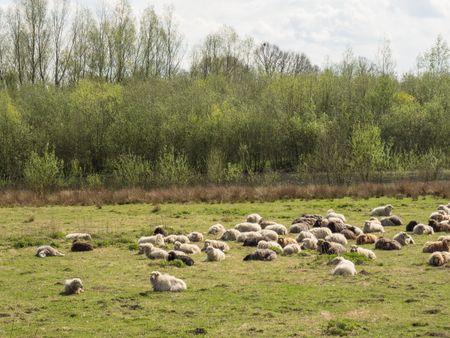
399 296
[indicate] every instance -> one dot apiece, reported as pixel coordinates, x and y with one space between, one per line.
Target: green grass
399 295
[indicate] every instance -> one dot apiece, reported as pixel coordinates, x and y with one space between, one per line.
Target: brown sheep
330 248
431 247
443 226
348 234
283 241
387 244
439 258
366 239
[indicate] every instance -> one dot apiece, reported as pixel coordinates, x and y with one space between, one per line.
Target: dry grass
221 194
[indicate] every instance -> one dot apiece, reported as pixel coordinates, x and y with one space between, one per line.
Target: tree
384 59
437 60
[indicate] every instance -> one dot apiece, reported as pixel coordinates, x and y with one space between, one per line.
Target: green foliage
341 327
131 171
172 168
94 181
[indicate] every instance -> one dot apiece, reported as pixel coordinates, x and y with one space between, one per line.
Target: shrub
341 327
131 171
94 181
173 168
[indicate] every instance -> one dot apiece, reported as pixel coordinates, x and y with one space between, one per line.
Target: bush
173 168
131 171
94 181
341 327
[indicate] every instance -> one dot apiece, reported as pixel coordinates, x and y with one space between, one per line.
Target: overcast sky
319 28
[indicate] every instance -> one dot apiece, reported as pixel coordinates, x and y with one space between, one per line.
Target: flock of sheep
327 235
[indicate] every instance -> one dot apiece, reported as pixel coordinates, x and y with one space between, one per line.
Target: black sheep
81 246
185 259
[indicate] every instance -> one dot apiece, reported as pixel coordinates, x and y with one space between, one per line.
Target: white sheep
187 248
157 240
382 211
47 251
423 229
404 239
216 244
254 218
79 235
165 282
214 255
357 231
291 249
343 267
249 235
230 235
195 237
269 235
309 244
332 214
263 223
337 238
247 227
443 238
363 251
176 238
439 258
298 227
216 229
153 253
73 286
305 234
320 233
269 245
372 225
445 209
278 228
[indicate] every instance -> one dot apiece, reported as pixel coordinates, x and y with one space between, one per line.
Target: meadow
398 294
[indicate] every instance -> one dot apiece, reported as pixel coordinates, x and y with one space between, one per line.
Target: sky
322 29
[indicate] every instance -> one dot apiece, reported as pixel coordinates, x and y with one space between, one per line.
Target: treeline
102 101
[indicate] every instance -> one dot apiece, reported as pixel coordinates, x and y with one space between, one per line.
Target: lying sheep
382 211
214 255
372 225
165 282
357 231
298 227
249 235
216 229
438 215
343 267
305 234
261 255
252 241
431 247
47 251
366 239
404 239
422 229
195 237
81 246
141 247
410 226
264 223
278 228
73 286
387 244
348 234
444 208
439 258
443 226
442 238
291 249
335 227
254 218
154 253
176 238
337 238
269 245
230 235
78 235
309 244
187 248
269 235
283 241
159 230
247 227
308 219
391 221
320 233
363 251
330 248
332 214
157 240
216 244
185 259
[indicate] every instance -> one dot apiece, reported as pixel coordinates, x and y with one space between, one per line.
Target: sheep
159 230
166 282
291 249
247 227
157 240
283 241
154 253
185 259
410 226
382 211
332 214
337 238
47 250
278 228
309 244
247 235
214 255
141 247
422 229
443 226
252 241
254 218
264 223
444 208
404 239
261 255
357 231
78 235
195 237
343 267
439 215
216 229
230 235
330 248
269 235
431 247
269 245
348 234
320 233
216 244
176 238
442 238
372 225
73 286
391 221
439 258
81 246
298 227
387 244
363 251
187 248
308 219
366 239
305 234
335 227
321 223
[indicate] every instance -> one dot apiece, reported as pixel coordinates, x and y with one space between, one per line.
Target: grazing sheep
81 246
195 237
348 234
387 244
366 239
291 249
165 282
269 245
332 214
269 235
78 235
216 229
309 244
357 231
439 258
248 235
298 227
382 211
47 250
442 238
404 239
278 228
372 226
187 248
363 251
320 233
247 227
254 218
391 221
410 226
230 235
330 248
160 231
444 208
216 244
185 259
283 241
73 286
343 267
443 226
214 255
431 247
154 253
422 229
337 238
264 223
261 255
157 240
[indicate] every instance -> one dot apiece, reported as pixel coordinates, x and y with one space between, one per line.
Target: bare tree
17 37
172 43
62 42
385 61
